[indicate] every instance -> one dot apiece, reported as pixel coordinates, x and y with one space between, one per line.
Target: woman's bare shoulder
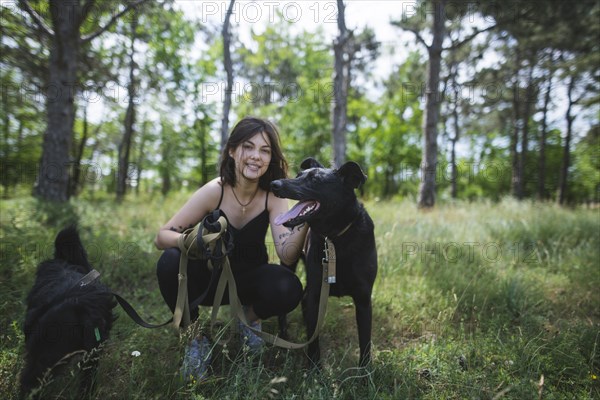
214 185
208 194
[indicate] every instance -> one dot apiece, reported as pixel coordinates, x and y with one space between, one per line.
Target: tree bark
529 103
140 158
166 149
53 177
74 183
229 70
5 160
453 72
125 145
341 84
564 171
542 195
514 142
201 128
432 110
453 140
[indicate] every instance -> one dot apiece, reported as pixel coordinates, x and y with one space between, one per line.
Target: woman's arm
289 242
200 204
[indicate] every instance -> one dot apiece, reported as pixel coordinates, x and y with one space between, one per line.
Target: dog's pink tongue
291 214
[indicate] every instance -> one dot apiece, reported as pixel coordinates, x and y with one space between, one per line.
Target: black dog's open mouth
298 214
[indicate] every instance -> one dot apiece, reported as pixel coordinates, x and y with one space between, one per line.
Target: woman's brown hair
245 129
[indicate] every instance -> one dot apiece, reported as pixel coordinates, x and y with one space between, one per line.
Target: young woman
251 160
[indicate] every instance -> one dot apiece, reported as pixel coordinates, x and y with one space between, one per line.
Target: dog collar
343 230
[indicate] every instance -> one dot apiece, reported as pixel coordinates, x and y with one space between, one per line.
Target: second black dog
67 315
327 202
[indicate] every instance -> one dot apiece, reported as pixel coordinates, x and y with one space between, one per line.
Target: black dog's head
321 192
68 247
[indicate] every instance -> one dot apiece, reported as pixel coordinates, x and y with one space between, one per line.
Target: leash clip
326 263
325 259
89 278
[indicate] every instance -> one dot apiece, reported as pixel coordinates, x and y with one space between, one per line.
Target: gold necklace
240 203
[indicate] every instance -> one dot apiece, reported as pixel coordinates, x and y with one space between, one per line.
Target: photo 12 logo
455 252
89 172
105 255
270 11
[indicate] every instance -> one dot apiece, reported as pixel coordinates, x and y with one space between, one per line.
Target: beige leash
188 244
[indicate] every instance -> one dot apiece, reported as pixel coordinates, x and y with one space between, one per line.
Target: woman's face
252 157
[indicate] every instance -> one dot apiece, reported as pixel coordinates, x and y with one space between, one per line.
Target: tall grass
473 300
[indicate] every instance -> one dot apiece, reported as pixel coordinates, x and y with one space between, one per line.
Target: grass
472 301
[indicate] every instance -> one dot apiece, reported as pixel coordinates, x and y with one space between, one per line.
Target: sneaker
196 360
249 338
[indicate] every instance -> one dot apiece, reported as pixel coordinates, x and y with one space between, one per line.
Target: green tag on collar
97 332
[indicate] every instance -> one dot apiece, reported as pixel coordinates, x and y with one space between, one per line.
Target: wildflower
594 377
135 353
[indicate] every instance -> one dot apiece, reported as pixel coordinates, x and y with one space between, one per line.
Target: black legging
271 289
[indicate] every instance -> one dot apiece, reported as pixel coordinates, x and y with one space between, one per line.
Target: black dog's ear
351 174
310 163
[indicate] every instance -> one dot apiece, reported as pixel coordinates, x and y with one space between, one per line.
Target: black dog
67 315
329 205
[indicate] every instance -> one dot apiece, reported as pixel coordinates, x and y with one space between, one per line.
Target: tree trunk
203 152
166 182
432 110
166 150
341 84
5 160
456 126
542 195
125 145
53 178
453 140
514 142
229 70
529 103
140 158
564 171
74 183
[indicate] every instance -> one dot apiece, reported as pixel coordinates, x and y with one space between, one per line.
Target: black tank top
249 242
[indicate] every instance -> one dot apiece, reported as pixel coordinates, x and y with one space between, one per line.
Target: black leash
94 274
132 313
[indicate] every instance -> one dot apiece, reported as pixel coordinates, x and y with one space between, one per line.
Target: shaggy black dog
67 315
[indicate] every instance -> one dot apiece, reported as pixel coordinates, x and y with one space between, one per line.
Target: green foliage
587 167
289 81
472 300
285 74
20 144
390 129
